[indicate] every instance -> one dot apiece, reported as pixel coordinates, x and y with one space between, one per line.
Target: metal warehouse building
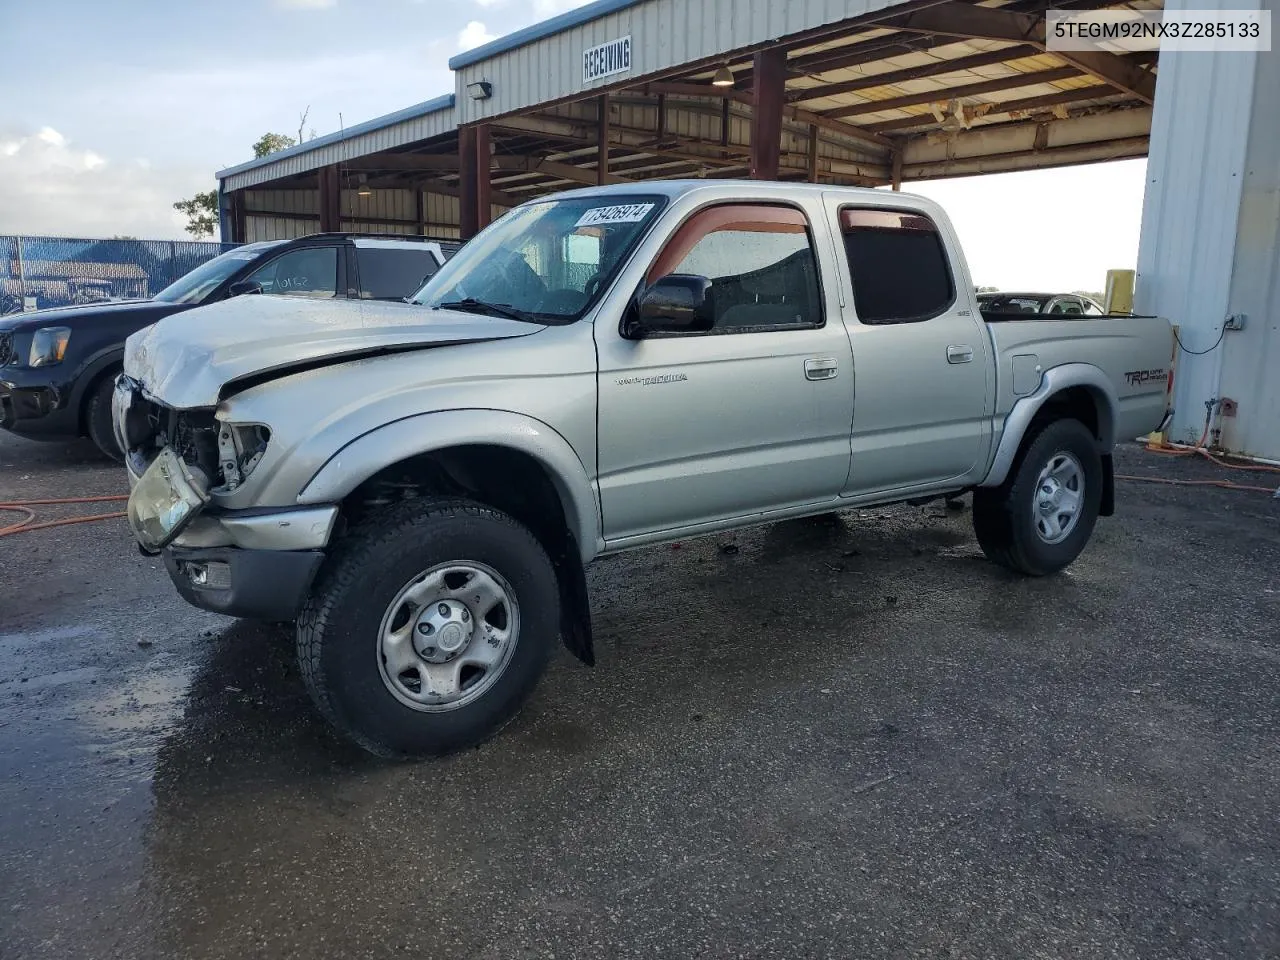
863 92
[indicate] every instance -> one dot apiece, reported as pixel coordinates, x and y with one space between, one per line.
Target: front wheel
428 627
97 418
1039 520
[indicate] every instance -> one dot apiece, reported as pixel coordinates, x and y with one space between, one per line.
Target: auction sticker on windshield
623 213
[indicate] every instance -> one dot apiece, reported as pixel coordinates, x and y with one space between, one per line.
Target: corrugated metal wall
1251 358
1191 212
285 214
664 34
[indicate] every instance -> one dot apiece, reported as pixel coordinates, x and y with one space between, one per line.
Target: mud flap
1107 507
575 604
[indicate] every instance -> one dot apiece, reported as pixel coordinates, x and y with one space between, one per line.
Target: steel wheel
1059 498
447 636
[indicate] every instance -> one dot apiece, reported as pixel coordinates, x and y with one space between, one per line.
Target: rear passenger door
392 269
749 417
925 381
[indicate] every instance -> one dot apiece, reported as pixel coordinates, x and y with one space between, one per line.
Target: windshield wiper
472 305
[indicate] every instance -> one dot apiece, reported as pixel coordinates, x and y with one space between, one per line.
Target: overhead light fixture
364 190
480 90
723 77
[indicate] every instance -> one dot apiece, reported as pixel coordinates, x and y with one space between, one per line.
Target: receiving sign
622 213
606 59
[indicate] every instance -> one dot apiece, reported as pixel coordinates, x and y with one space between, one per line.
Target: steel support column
813 153
602 140
767 100
476 197
330 199
239 228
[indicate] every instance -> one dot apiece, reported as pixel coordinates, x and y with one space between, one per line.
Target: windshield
203 280
544 261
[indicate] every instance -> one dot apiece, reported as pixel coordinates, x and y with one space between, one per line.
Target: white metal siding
664 34
1251 358
1190 215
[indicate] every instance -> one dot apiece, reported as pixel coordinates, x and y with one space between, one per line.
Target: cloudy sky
113 110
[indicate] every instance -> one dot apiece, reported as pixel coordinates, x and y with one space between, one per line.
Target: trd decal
1138 377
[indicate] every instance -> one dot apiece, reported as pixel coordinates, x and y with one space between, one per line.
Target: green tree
270 143
201 212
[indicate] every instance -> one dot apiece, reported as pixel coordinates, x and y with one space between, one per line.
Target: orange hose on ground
1224 484
24 507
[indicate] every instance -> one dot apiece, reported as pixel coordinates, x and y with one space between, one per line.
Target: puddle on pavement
84 711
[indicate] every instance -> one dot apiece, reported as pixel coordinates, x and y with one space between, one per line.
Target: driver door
748 418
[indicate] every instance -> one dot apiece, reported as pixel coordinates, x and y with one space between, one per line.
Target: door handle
959 353
821 368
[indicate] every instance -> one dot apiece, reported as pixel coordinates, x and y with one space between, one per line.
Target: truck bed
1134 352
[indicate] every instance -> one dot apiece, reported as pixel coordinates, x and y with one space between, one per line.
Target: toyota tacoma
420 485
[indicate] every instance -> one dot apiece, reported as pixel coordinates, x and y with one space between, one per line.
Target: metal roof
876 92
412 132
540 31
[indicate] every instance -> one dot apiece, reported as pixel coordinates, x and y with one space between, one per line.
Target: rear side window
388 273
898 264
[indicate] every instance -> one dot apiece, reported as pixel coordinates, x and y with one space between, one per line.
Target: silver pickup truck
420 485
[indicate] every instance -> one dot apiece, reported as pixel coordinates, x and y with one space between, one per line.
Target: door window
308 272
760 261
898 265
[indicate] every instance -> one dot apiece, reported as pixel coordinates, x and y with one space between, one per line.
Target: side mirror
241 287
677 303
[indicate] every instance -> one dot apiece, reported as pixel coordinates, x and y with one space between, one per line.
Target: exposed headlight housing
48 346
240 448
165 499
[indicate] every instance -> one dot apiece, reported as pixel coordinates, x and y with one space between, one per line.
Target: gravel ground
847 738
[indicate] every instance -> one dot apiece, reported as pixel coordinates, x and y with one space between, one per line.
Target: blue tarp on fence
39 272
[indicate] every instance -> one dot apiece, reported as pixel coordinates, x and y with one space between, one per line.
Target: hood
188 360
69 316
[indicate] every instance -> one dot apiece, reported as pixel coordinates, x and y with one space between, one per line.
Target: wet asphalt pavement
844 739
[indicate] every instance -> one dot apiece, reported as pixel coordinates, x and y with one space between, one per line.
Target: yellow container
1120 291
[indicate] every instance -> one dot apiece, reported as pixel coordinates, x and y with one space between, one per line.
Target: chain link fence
39 272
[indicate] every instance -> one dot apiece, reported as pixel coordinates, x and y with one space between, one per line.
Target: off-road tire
97 418
338 628
1002 516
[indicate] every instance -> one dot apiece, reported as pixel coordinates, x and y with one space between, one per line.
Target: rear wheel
429 627
97 417
1039 520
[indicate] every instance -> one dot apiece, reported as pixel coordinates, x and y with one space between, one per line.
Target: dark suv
57 366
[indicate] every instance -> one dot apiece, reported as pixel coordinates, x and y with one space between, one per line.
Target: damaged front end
223 454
